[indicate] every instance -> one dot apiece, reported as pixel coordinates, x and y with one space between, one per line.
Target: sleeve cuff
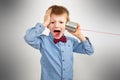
39 28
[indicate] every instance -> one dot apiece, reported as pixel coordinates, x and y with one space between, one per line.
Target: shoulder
72 40
69 38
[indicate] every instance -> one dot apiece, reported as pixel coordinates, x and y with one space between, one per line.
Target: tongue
57 34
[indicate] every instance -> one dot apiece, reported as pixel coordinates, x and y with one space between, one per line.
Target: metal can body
71 26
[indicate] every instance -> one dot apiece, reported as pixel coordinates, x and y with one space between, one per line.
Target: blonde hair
58 10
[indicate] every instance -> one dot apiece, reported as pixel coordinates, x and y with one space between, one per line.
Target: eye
52 22
61 22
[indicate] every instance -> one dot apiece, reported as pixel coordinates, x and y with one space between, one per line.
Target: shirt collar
51 36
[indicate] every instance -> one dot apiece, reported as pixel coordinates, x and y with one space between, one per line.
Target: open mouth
58 31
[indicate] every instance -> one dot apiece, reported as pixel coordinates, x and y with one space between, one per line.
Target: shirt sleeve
34 36
84 47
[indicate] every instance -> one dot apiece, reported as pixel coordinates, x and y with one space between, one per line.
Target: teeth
56 30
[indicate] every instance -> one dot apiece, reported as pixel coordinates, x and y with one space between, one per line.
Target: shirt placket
62 49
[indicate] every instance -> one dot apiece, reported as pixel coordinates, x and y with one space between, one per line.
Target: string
117 34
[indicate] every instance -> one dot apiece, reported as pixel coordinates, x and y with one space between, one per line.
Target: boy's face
57 25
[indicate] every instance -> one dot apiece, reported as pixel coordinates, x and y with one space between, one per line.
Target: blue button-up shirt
57 59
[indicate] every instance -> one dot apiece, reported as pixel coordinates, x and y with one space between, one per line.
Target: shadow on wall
7 72
9 6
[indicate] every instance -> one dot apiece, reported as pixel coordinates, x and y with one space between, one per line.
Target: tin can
71 26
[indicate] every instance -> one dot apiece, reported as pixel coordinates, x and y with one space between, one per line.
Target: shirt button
63 60
63 69
68 45
62 51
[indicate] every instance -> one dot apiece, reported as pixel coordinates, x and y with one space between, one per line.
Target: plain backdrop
19 61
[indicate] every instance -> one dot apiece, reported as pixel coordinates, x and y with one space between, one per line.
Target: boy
57 49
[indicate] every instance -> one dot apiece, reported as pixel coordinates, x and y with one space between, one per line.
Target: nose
56 24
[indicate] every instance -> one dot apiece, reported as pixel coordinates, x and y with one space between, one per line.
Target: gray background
19 61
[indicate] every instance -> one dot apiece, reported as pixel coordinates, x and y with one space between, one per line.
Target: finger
49 11
47 15
78 28
71 32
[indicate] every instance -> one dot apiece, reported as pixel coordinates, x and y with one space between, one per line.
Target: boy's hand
47 18
78 33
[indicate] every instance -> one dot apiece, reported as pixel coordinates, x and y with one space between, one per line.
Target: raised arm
84 46
34 36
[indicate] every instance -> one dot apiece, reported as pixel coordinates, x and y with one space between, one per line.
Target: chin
57 37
